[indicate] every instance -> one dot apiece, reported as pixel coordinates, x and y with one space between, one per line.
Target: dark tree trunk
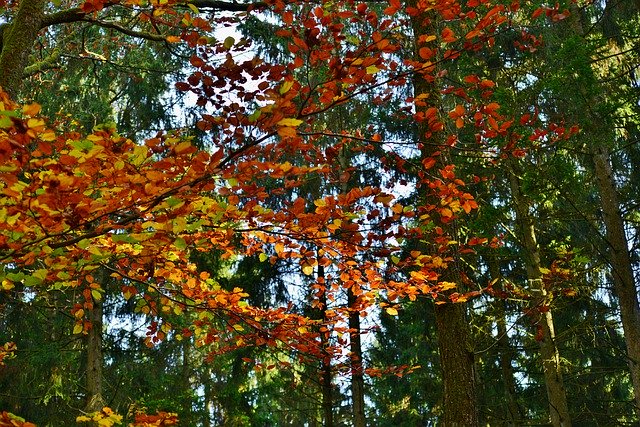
18 39
621 267
95 400
457 361
452 325
326 375
558 406
357 374
514 412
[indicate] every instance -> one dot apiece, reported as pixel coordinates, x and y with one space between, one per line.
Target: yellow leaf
391 311
77 328
445 286
35 123
193 8
286 167
238 328
7 285
48 136
174 39
307 269
286 86
289 122
372 69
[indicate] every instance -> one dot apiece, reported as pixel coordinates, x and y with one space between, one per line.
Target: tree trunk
326 376
457 361
621 268
514 412
95 400
558 406
355 342
624 285
357 373
17 43
452 325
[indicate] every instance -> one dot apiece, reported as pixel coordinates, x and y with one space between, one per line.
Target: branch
227 6
76 14
127 31
63 17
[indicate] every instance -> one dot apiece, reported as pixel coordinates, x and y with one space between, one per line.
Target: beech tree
142 208
78 207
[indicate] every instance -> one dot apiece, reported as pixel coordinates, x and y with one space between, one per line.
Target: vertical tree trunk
620 261
558 406
326 376
187 377
17 43
355 342
514 412
357 373
95 400
452 325
624 284
457 361
209 404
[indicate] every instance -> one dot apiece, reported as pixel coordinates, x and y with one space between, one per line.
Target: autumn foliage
78 207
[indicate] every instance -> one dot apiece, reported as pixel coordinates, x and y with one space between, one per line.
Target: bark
457 361
621 268
357 373
18 40
514 412
452 325
558 406
95 400
624 284
326 376
355 342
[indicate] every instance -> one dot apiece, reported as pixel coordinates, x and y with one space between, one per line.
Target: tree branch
124 30
227 6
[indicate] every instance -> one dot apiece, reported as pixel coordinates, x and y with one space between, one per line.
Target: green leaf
180 243
83 144
229 42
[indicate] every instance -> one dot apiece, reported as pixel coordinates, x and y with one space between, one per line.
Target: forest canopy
388 213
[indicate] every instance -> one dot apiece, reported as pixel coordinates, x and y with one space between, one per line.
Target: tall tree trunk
18 39
326 375
95 400
357 370
620 261
187 377
457 361
624 285
452 325
514 412
558 406
209 402
355 342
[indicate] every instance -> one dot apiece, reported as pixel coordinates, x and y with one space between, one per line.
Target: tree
259 173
